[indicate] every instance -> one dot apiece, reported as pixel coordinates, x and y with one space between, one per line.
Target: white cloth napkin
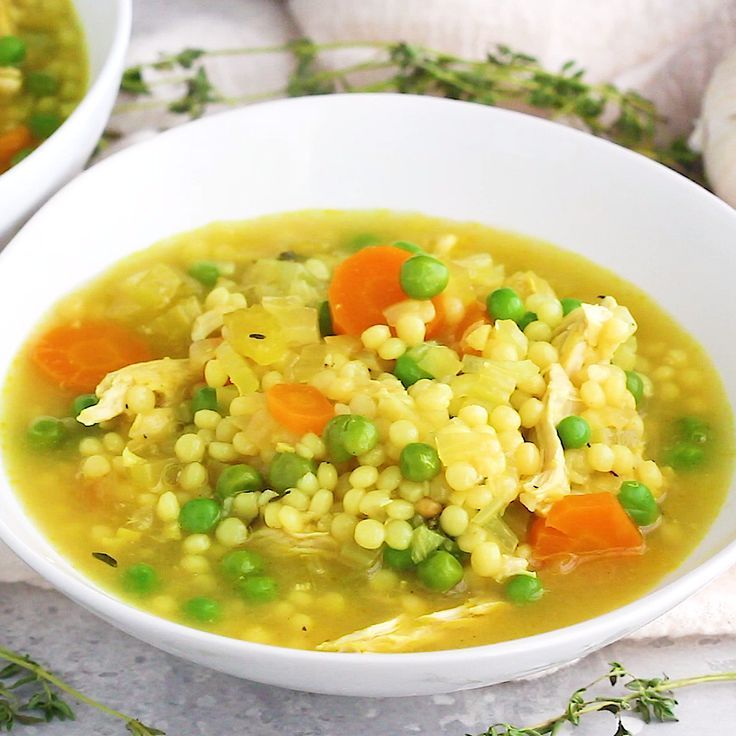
664 48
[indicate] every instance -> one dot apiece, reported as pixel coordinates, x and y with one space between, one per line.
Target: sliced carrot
13 141
299 407
77 357
585 524
365 284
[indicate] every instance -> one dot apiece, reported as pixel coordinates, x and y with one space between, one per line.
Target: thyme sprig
652 699
504 77
30 695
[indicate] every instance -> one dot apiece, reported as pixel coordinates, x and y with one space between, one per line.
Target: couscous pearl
351 501
392 348
373 504
113 442
96 466
207 419
471 538
231 532
140 399
503 418
245 505
398 533
592 395
411 329
485 559
411 491
473 415
192 476
389 478
461 476
342 527
402 432
650 475
600 457
327 476
550 312
535 386
369 534
296 499
90 446
196 544
271 379
226 430
189 448
321 502
222 451
623 460
167 508
271 515
243 444
542 354
530 412
308 484
214 373
538 331
454 520
479 497
363 476
400 509
375 336
527 458
195 564
614 331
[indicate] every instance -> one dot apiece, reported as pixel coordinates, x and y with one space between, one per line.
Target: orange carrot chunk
12 142
365 284
299 408
585 524
77 357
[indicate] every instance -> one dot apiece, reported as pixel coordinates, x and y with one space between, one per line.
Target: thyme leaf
504 77
30 695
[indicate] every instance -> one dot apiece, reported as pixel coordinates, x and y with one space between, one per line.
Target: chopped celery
299 324
241 374
255 334
501 533
439 361
424 541
154 288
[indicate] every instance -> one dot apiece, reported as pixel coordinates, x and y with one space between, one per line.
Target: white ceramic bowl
106 25
406 153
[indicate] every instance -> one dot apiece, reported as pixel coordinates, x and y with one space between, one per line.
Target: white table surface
188 700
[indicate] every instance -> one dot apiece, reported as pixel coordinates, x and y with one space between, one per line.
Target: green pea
44 124
440 571
349 435
46 433
522 589
199 515
569 304
423 277
324 316
202 609
363 240
693 429
505 303
526 319
82 402
12 50
258 588
238 479
140 579
638 502
205 272
204 398
407 369
287 469
41 84
17 157
398 559
573 432
635 386
419 462
241 562
407 246
684 456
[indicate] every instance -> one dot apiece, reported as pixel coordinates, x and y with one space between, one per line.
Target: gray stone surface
187 700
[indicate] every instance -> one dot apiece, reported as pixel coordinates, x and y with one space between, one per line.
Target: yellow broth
325 596
46 76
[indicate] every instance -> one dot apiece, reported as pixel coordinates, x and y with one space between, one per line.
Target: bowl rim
108 71
599 630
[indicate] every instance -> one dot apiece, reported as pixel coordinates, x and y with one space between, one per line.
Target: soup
43 73
367 431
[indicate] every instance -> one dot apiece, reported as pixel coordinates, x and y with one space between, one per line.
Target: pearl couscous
367 432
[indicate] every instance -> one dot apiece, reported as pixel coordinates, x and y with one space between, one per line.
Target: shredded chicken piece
167 378
397 633
526 283
577 336
552 482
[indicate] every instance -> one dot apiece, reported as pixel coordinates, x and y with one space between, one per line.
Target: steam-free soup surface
318 422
